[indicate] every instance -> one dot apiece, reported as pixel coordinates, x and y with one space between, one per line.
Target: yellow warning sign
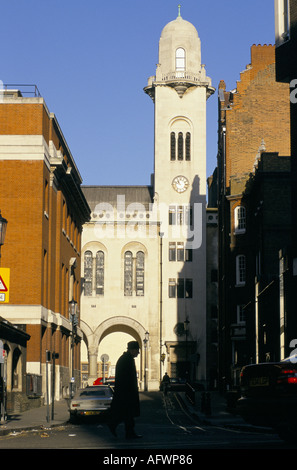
4 285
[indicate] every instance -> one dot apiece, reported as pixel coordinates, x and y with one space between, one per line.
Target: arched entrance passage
123 324
119 324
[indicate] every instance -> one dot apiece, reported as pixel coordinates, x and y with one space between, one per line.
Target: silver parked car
90 401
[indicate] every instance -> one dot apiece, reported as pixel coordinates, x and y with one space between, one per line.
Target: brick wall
24 119
260 110
44 224
21 203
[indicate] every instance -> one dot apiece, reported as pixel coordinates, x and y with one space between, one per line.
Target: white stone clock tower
180 90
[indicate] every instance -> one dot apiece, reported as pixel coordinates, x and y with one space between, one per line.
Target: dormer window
180 61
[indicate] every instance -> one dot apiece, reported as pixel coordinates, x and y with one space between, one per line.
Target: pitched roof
115 195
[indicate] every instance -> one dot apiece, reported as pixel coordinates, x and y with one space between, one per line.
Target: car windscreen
93 394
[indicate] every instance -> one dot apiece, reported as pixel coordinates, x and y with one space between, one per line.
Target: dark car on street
269 396
175 384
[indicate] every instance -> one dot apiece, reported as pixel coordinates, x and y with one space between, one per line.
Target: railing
31 90
190 76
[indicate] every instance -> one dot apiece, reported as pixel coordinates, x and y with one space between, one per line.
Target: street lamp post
73 315
161 301
3 226
186 329
145 341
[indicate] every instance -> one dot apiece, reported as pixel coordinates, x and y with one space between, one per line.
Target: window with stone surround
178 252
180 215
180 61
134 273
99 273
128 273
94 273
88 273
240 219
140 273
240 270
180 288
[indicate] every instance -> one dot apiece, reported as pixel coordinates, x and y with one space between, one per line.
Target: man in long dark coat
125 404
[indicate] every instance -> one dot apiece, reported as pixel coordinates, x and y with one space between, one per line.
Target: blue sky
91 61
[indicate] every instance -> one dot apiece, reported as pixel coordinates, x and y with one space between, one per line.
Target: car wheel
73 418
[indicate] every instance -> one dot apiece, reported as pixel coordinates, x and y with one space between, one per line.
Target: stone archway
93 338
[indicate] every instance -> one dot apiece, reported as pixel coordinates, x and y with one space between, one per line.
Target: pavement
36 418
217 414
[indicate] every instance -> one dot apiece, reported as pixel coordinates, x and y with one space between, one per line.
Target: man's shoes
133 436
112 430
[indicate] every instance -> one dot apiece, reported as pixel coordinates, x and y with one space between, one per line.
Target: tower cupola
179 59
179 48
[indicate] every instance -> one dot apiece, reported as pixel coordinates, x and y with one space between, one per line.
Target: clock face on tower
180 184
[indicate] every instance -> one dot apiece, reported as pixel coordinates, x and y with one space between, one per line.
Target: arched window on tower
188 146
172 146
180 146
180 154
180 62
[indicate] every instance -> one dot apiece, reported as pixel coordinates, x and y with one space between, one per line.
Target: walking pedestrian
165 383
125 404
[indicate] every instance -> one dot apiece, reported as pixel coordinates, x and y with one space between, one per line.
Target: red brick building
253 118
286 72
41 197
